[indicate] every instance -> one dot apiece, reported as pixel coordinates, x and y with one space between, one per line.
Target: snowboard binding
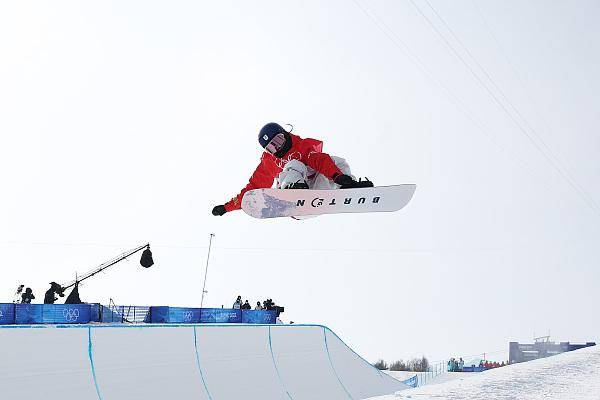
366 183
297 185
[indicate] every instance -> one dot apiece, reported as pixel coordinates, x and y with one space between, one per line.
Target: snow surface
441 378
574 376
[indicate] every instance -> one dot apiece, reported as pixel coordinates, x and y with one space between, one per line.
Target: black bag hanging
146 260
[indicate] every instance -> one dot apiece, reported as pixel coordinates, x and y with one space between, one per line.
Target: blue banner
178 315
7 314
85 313
52 313
259 316
183 315
66 314
411 382
220 316
28 313
473 369
95 312
159 315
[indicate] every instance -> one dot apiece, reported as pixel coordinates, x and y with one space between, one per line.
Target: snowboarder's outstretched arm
262 177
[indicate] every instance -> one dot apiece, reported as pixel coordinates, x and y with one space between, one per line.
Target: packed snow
574 376
426 380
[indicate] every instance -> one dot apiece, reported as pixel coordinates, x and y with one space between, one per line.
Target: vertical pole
206 269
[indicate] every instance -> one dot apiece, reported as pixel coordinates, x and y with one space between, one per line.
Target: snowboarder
297 163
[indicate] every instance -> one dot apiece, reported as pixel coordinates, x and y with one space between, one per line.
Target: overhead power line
334 250
542 147
450 95
517 75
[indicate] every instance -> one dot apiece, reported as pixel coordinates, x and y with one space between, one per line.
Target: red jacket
308 151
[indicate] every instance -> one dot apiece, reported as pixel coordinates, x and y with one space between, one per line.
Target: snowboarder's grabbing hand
295 163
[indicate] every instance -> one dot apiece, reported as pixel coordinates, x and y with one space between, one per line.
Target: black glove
219 210
345 181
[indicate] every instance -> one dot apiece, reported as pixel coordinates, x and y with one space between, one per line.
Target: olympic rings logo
187 316
71 314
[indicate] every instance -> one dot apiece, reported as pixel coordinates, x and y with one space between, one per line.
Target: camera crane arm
145 263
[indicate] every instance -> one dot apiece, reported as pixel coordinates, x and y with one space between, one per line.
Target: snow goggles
276 143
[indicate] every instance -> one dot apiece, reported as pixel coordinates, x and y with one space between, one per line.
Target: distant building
541 348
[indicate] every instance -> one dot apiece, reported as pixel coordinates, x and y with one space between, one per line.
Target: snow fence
106 362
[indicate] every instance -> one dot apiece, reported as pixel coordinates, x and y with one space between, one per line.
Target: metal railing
434 370
123 314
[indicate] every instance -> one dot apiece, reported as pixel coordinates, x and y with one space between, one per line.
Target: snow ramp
212 362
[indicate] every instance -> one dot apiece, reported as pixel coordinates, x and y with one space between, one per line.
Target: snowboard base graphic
275 203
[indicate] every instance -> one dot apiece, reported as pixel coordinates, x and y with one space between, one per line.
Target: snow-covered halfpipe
210 362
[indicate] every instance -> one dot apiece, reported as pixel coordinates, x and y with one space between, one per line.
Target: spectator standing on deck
246 306
452 364
238 303
55 289
258 306
27 296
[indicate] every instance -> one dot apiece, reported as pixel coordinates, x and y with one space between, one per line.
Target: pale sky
126 122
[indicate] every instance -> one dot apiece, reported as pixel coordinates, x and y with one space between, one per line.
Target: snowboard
275 203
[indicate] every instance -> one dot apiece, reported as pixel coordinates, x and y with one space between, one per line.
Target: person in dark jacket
51 293
27 296
238 303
